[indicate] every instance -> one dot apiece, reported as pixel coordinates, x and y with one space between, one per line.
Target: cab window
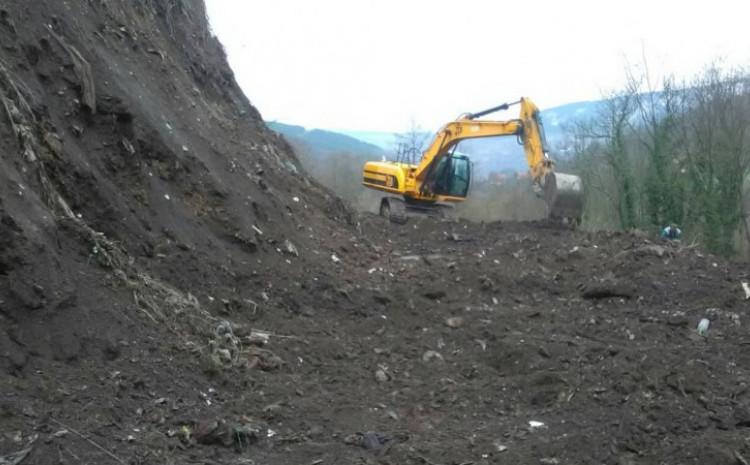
453 176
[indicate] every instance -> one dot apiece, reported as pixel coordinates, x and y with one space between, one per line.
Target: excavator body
443 175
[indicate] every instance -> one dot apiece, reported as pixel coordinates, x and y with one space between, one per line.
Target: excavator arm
443 176
528 128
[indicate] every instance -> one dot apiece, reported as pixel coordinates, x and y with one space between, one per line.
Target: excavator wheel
385 208
393 209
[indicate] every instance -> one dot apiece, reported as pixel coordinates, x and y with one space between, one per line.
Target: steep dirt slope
140 197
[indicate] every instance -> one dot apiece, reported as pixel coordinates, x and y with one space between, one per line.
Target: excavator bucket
563 194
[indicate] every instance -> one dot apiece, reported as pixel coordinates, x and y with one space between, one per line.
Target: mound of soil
173 289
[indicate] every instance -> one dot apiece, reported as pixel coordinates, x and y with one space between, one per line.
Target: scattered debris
499 446
454 322
534 424
381 375
257 337
90 441
369 440
17 457
432 355
220 432
703 326
289 248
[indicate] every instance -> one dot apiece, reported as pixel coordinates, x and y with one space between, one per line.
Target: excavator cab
452 176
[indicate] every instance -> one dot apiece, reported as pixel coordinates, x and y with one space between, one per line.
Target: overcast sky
377 65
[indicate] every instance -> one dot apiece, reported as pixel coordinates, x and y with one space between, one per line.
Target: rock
381 376
263 359
454 322
247 243
431 355
373 441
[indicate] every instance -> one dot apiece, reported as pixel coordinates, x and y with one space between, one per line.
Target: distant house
498 178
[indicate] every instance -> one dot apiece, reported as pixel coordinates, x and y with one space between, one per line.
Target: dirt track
174 290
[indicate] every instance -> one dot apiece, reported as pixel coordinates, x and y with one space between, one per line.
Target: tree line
669 153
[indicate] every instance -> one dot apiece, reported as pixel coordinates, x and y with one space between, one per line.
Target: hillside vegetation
680 155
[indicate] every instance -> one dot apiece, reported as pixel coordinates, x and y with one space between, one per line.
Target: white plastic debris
746 288
500 447
290 249
703 326
166 196
335 259
295 199
431 355
258 337
533 424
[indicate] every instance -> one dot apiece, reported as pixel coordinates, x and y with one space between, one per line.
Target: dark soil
173 289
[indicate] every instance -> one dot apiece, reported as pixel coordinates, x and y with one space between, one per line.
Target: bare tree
715 132
411 144
603 139
657 112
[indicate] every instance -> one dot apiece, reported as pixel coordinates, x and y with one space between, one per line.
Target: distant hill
504 153
555 120
319 142
488 155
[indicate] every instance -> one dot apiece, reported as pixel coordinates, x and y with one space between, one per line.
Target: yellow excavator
443 175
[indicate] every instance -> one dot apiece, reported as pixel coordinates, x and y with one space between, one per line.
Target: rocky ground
174 289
